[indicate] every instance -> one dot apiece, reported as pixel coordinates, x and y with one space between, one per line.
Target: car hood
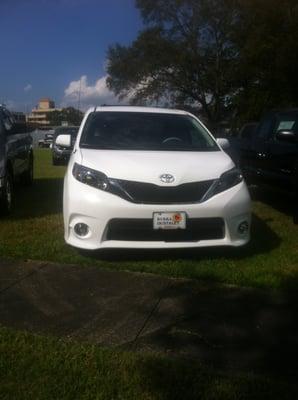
148 166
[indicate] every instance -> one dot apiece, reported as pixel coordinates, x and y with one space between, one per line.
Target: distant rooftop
46 99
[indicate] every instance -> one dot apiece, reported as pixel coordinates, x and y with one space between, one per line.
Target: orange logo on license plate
177 217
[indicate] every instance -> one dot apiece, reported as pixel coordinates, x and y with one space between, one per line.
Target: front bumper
96 208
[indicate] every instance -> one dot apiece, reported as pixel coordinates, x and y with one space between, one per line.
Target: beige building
39 115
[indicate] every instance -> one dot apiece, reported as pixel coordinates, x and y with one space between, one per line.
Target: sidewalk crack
40 267
150 315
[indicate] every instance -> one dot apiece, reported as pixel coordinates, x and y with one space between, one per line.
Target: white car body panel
147 166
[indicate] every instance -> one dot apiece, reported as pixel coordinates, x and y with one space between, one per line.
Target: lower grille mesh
142 230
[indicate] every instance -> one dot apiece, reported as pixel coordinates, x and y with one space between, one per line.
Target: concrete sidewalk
227 327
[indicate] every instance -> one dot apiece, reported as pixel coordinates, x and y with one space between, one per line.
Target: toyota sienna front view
143 177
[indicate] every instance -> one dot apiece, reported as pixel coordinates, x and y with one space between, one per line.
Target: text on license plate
169 220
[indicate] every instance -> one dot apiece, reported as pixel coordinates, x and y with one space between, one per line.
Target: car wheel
6 200
295 210
27 177
55 161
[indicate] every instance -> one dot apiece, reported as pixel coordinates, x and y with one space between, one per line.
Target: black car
16 158
60 155
271 155
46 141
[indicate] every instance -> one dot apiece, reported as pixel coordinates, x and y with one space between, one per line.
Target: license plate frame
169 220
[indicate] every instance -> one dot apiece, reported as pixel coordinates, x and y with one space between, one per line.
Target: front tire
295 190
6 201
55 161
27 177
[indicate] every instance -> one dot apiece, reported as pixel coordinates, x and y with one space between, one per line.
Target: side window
287 122
265 128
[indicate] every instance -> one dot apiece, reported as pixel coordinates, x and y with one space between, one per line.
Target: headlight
227 180
90 177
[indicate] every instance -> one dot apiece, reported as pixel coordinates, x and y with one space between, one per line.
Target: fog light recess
81 229
243 228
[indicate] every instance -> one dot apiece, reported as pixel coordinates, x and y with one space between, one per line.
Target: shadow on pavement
227 328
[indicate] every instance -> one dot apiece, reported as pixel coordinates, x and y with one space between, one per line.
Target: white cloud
28 87
90 95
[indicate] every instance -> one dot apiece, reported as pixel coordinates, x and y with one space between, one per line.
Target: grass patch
35 231
34 367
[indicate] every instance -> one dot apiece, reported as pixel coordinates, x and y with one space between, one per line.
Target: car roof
284 111
135 109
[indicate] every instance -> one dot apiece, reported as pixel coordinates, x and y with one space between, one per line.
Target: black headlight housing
99 180
90 177
226 181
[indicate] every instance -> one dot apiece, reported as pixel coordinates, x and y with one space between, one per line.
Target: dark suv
271 156
16 158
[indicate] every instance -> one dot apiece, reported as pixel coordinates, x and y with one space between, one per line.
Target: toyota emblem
167 178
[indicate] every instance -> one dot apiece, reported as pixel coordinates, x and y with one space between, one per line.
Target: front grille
148 193
142 230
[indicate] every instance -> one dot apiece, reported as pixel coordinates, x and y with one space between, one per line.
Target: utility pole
79 101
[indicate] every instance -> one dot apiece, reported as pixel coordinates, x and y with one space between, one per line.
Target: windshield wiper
101 147
143 148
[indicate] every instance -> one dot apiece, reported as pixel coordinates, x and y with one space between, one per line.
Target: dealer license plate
169 220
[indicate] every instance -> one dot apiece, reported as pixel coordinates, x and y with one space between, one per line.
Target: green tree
220 58
70 115
184 56
267 38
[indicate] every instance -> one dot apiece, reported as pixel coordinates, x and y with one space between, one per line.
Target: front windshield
145 131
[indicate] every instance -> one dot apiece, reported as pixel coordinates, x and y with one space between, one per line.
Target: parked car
151 178
271 157
47 141
60 154
16 158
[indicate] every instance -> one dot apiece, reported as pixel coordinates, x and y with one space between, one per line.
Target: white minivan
142 177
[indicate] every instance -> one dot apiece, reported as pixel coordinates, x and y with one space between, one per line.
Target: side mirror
223 143
8 125
287 135
63 140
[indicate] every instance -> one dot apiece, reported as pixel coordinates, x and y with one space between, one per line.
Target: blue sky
49 45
